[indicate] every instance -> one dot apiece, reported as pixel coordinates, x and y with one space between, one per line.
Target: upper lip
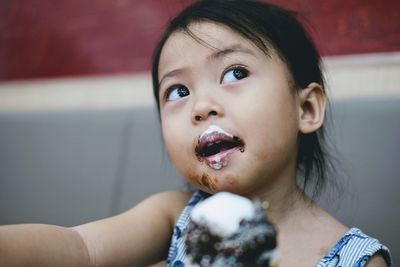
213 139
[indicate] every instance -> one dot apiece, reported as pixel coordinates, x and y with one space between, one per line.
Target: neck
282 209
285 201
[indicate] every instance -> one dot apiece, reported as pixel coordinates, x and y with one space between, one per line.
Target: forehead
202 37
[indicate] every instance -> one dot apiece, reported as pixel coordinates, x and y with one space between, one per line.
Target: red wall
47 38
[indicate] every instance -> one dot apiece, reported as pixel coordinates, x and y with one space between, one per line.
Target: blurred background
79 133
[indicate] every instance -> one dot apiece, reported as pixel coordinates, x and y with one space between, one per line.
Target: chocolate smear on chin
205 180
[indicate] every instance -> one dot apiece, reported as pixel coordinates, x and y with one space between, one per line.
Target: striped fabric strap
355 249
177 250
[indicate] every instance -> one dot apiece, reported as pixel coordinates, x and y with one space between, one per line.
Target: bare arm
137 237
41 245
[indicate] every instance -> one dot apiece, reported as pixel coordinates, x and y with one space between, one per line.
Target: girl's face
230 119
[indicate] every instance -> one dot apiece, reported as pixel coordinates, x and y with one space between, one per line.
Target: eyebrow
236 48
219 53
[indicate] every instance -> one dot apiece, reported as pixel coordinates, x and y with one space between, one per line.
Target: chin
214 181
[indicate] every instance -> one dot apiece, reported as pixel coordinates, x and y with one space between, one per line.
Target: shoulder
344 246
171 203
357 248
376 261
174 201
170 197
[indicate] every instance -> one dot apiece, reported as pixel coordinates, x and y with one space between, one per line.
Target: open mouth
215 145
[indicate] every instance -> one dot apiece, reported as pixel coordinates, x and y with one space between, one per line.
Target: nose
204 108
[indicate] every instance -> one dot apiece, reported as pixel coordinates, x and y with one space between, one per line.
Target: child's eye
177 92
234 74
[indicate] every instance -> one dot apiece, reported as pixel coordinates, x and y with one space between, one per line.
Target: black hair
267 26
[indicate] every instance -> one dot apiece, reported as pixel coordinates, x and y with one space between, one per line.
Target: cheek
172 139
172 127
275 138
179 145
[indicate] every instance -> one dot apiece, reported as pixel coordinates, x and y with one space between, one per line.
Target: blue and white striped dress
352 250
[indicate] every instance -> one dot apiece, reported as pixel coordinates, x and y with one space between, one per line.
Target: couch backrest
71 167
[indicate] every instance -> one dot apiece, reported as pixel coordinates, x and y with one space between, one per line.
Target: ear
312 108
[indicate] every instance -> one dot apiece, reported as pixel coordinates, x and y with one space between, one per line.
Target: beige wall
355 76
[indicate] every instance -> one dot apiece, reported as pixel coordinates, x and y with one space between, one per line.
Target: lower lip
220 159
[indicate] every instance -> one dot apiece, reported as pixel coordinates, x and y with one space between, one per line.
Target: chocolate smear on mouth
239 141
207 148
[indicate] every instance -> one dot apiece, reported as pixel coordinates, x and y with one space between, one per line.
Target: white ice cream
223 212
214 128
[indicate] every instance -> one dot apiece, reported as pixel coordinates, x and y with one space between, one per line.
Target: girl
241 100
